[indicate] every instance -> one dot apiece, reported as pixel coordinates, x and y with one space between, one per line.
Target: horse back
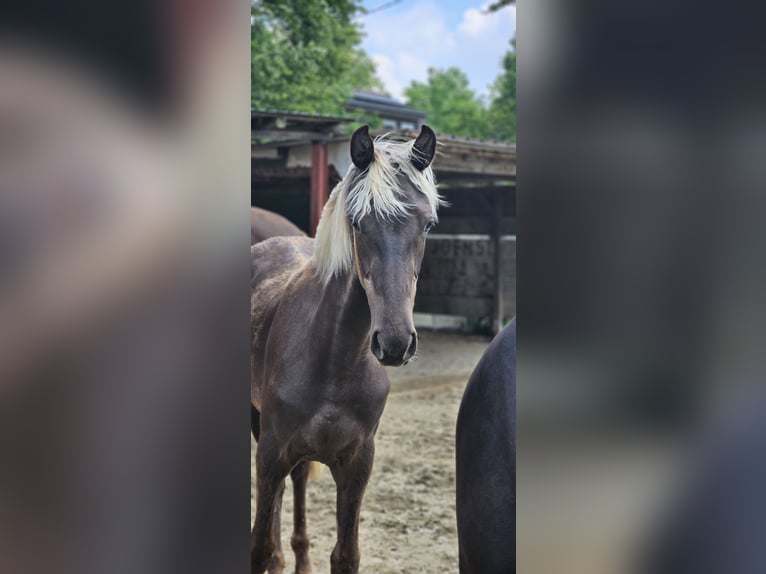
486 461
265 224
277 258
275 264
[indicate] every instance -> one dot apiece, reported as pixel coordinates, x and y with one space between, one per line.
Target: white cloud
474 23
404 44
477 23
412 66
483 39
422 29
386 72
397 73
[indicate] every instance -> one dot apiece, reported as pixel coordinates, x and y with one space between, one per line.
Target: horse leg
255 422
277 562
271 471
351 480
300 539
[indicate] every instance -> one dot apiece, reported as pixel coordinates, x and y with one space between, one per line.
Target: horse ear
424 148
362 149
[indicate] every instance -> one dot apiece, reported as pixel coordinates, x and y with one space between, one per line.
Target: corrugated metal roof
382 103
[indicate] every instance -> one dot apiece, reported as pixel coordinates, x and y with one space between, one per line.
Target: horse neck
346 307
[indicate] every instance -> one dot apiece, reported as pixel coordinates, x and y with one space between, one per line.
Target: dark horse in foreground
486 461
265 224
326 315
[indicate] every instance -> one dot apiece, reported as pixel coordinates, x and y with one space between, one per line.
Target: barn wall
458 277
289 199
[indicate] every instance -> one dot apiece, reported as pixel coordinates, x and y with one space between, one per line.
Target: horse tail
315 470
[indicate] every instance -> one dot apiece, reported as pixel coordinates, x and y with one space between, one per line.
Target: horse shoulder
277 266
490 392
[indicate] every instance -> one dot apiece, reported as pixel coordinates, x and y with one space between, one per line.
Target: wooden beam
319 182
497 233
288 135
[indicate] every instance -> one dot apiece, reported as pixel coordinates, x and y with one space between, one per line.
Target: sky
408 38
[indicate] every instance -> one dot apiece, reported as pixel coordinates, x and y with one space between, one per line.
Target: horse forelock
375 189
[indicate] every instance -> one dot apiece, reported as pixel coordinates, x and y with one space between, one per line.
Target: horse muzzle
394 350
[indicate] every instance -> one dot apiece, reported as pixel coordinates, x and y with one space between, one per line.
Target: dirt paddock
408 514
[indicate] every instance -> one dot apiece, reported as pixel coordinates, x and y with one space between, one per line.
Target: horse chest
330 405
328 423
331 435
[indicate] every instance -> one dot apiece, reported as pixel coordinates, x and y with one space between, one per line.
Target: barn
468 277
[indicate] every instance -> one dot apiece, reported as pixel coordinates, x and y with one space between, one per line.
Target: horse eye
429 226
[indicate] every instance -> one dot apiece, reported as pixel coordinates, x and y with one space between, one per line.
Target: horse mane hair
360 193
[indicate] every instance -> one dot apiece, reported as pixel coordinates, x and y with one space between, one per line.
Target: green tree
305 56
502 109
450 104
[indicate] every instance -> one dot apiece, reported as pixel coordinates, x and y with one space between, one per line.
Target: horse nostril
376 347
412 347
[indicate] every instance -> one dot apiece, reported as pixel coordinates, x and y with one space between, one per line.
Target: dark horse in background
486 461
265 224
714 518
327 314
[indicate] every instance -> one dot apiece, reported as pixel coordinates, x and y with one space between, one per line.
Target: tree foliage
450 104
453 108
502 109
305 56
494 7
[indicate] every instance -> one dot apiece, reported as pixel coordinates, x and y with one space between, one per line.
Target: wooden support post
497 244
319 182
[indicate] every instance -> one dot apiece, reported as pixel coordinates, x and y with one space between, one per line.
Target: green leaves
305 55
453 108
502 110
451 105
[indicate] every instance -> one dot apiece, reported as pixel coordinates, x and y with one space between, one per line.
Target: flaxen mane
358 194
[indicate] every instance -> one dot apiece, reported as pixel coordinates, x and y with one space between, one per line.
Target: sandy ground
408 515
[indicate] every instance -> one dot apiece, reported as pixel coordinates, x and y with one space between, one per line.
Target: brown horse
326 315
265 224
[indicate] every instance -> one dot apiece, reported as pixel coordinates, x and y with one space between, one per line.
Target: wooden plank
497 230
457 266
509 277
319 182
287 135
460 306
274 173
